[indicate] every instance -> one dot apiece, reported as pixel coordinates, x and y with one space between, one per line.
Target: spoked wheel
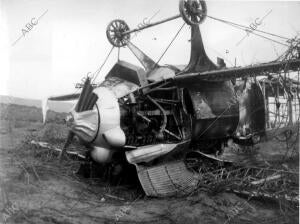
114 33
193 12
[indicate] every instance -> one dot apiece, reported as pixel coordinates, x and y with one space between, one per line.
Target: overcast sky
69 40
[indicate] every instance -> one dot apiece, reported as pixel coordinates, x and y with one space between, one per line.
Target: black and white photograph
148 111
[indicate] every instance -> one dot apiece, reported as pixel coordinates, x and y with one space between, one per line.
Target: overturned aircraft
163 118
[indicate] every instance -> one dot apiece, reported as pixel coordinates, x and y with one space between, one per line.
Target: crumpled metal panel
215 109
160 74
148 153
119 87
213 99
128 72
168 179
202 109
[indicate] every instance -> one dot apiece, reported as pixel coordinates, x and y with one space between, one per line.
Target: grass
47 177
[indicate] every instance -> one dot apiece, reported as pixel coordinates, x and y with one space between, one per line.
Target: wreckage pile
251 181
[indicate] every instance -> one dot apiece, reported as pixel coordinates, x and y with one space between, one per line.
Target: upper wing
240 72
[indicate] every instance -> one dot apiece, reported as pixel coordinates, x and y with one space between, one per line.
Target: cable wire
169 45
99 69
242 27
246 27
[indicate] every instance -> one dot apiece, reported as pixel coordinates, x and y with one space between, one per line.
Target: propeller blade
91 102
86 90
87 98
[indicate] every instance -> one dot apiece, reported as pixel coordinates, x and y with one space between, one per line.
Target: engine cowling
99 127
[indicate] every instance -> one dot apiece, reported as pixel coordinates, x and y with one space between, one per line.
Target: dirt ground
35 188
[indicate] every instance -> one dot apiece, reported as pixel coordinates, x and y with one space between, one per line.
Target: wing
46 102
240 72
65 97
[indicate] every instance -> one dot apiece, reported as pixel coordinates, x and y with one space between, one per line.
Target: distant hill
20 101
61 107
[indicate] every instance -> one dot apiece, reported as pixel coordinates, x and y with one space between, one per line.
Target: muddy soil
35 188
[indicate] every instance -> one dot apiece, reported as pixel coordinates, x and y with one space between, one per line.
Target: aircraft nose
100 124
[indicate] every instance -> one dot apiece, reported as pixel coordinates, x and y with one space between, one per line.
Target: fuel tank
214 109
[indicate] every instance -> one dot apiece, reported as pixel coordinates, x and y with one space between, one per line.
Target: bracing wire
99 69
246 27
242 27
169 44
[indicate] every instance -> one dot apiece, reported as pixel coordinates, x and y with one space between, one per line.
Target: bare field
36 188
